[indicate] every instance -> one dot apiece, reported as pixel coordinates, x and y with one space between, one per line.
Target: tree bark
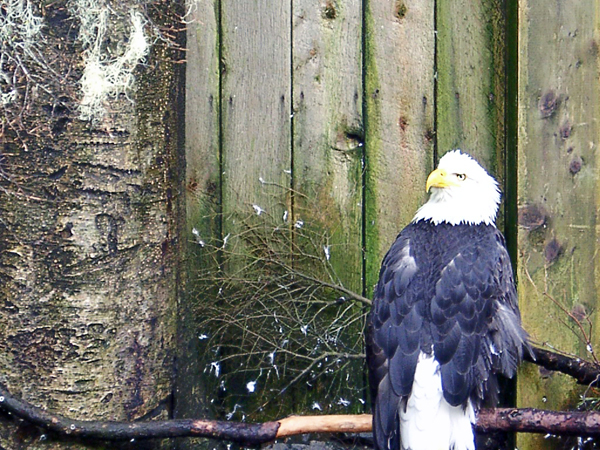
87 235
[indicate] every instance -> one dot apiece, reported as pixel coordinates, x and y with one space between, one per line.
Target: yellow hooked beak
439 178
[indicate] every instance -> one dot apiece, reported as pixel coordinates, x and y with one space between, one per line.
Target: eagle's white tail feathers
427 421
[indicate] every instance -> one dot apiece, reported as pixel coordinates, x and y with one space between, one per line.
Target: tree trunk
88 240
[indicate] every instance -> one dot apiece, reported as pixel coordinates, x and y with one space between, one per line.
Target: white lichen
106 75
230 414
191 11
19 25
20 36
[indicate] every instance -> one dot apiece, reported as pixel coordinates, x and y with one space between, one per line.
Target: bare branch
125 431
501 419
530 420
585 372
295 425
585 336
348 292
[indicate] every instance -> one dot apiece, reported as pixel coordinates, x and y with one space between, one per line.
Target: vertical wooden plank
470 77
399 95
255 152
256 100
558 183
202 193
328 146
202 108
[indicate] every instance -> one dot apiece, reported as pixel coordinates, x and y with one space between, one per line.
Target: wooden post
256 105
328 138
470 80
558 184
203 204
399 96
89 217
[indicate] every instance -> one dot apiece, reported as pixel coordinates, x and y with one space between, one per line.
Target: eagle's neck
455 207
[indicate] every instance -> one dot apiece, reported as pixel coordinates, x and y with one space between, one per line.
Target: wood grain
203 199
558 185
470 80
399 94
328 139
256 98
328 132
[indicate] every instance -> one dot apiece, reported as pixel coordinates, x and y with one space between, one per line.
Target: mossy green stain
372 153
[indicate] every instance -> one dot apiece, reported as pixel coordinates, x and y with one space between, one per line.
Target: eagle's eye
461 176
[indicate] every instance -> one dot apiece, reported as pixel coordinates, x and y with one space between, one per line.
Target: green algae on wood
201 224
558 142
399 120
328 150
470 80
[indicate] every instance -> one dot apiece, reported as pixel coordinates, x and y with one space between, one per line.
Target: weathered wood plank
255 160
470 80
256 98
399 95
558 183
328 146
328 134
202 116
202 184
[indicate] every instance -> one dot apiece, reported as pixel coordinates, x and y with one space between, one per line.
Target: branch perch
125 431
526 420
501 419
584 372
530 420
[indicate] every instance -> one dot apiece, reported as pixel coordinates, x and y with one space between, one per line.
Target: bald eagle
444 319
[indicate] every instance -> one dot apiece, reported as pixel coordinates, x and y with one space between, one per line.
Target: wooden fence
350 103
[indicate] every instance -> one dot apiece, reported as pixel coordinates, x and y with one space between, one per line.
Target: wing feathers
386 419
446 290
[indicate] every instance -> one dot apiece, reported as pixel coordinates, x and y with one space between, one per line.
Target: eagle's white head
461 192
